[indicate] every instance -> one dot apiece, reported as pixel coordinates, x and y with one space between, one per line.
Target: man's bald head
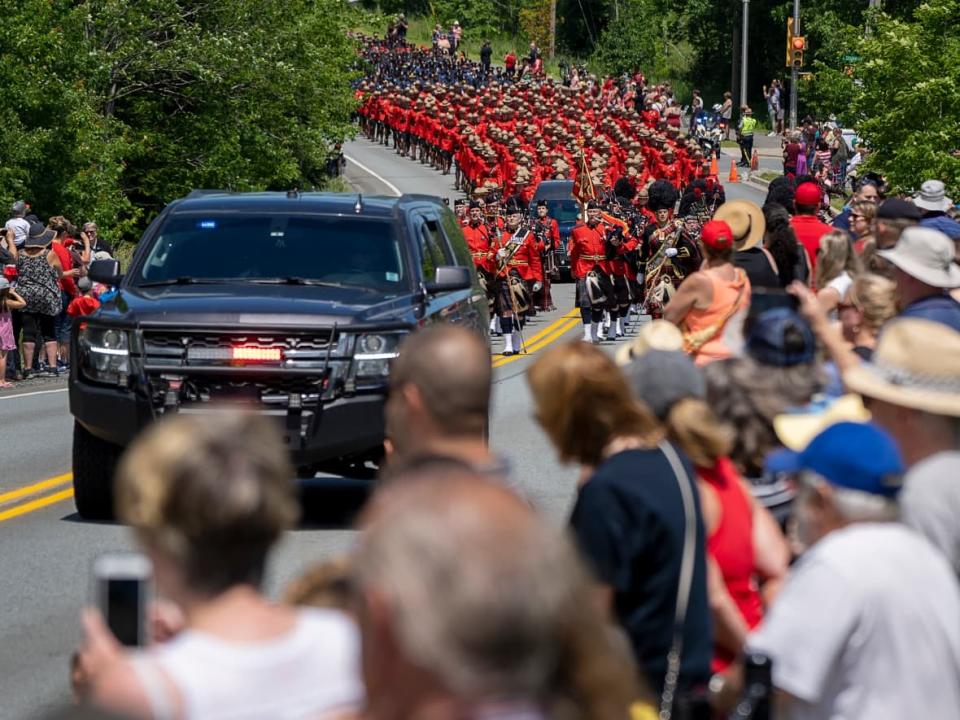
450 368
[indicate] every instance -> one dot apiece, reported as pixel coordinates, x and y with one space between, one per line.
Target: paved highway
47 551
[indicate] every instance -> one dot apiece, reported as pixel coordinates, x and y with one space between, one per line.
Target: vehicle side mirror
448 278
106 272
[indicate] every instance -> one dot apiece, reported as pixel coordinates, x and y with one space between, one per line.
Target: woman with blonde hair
207 498
837 265
631 513
747 553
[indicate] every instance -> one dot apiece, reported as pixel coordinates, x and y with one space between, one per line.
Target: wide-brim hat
933 197
39 236
745 220
916 365
796 428
927 255
654 335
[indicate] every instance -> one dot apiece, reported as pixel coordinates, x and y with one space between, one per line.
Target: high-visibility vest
748 126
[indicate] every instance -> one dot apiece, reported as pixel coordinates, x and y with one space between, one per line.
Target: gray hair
479 598
859 506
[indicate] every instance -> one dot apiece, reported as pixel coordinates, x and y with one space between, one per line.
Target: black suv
291 303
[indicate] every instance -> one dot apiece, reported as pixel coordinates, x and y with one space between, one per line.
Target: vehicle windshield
564 211
349 251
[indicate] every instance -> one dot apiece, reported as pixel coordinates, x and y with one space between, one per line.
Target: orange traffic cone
714 170
733 177
755 161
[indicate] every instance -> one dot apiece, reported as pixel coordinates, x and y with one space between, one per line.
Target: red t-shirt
792 150
809 230
67 284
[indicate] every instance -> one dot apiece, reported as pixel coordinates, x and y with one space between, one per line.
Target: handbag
688 705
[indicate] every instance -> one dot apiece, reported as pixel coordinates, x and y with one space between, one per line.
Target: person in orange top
805 223
711 304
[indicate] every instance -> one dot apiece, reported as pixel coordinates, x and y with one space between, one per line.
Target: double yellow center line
24 499
552 332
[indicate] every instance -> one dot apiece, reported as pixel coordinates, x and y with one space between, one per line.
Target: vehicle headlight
104 353
373 355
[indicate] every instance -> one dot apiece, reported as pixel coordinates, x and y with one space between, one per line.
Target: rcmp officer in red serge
516 256
589 265
547 230
477 234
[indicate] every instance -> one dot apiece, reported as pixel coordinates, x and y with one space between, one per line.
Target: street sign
851 58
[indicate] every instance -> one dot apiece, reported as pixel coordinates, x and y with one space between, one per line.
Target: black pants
746 149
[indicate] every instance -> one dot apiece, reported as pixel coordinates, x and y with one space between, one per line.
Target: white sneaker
517 342
508 344
587 337
771 134
620 332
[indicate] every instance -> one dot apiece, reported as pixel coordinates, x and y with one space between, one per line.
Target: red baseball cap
717 234
807 193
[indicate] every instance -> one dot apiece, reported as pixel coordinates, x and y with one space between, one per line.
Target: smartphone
763 299
123 584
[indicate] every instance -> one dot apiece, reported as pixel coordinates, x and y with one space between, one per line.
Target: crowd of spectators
43 287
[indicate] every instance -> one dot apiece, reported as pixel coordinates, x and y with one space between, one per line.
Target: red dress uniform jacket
478 241
525 260
587 248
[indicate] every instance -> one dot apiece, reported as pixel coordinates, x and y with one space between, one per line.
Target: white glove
537 286
670 252
502 253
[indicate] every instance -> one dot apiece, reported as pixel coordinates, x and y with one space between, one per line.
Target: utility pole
553 29
794 70
744 43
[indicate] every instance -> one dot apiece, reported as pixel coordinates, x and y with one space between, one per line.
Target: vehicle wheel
94 461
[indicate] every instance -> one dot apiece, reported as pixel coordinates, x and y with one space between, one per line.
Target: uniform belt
513 263
595 258
480 254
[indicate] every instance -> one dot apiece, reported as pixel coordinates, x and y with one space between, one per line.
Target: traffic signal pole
794 70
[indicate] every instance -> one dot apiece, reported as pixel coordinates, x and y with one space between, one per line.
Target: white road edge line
393 188
38 392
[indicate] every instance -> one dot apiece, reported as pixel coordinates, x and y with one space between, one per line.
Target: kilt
621 291
582 298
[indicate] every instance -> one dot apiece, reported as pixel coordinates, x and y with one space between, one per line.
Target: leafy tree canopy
114 107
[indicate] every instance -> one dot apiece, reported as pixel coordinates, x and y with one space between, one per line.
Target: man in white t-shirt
17 223
867 625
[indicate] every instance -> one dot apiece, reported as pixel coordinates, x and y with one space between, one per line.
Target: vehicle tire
94 461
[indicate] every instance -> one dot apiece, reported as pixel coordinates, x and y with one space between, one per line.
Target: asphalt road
46 552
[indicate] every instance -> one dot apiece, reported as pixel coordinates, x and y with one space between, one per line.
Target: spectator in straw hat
933 204
913 390
925 269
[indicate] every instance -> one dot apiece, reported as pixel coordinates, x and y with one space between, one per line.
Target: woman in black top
628 517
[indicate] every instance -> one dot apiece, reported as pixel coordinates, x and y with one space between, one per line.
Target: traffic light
797 46
789 41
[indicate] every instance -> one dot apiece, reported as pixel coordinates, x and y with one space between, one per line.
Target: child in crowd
9 300
86 302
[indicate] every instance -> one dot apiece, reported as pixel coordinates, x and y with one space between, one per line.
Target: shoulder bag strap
668 697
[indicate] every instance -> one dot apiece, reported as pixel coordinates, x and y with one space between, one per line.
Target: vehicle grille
167 349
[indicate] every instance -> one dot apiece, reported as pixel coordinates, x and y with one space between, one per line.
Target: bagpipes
660 278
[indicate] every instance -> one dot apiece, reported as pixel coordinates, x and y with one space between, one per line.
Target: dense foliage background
113 108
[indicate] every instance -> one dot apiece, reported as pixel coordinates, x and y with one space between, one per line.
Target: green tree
115 108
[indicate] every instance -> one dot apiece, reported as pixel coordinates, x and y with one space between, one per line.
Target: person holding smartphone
207 498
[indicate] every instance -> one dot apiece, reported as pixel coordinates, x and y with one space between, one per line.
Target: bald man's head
449 367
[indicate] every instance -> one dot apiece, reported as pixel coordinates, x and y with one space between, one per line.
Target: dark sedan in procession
293 304
563 207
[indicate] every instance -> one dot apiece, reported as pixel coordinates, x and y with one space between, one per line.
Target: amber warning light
255 354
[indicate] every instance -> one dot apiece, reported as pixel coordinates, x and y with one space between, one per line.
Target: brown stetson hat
745 220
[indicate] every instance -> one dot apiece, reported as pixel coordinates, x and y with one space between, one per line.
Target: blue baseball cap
856 456
780 337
